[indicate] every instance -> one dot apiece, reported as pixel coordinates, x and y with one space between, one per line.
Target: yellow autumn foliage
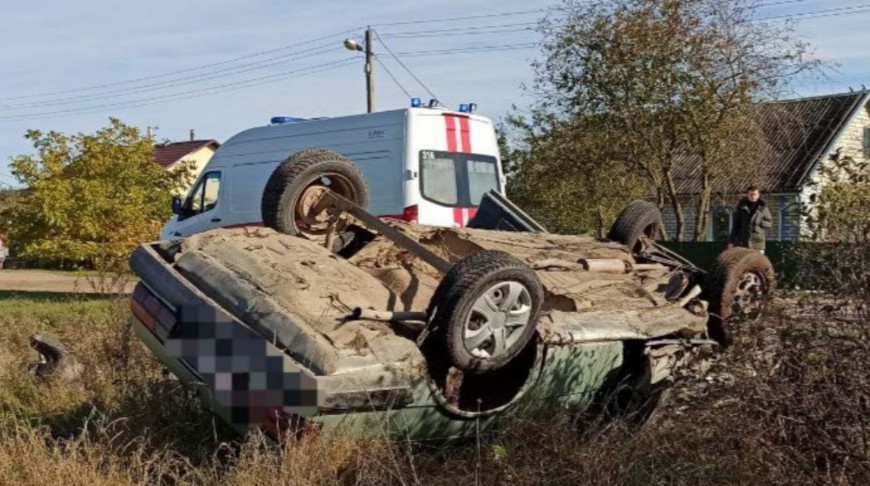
90 198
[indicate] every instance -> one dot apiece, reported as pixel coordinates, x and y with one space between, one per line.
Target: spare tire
486 310
297 184
739 286
639 220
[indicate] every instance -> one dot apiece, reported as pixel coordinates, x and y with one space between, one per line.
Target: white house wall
850 142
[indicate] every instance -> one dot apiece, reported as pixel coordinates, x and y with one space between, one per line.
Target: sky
220 67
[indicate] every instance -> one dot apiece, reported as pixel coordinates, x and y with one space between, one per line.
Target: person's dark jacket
748 226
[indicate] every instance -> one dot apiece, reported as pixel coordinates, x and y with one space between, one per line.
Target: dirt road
66 282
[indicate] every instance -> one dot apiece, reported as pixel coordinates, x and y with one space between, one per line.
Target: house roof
799 132
170 153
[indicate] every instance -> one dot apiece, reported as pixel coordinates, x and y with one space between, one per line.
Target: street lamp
353 45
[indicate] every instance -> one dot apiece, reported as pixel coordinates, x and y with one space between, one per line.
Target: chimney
192 135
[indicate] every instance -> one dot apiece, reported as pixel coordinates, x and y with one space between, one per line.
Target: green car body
251 380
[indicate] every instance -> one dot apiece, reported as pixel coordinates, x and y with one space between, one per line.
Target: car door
202 209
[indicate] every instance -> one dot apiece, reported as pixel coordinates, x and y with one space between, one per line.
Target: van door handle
215 220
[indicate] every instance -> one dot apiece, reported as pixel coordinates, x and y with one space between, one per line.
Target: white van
425 165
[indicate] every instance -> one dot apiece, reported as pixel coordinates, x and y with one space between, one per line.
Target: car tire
486 310
740 284
299 179
639 220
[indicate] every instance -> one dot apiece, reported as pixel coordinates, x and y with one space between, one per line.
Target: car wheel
486 310
741 283
636 225
292 192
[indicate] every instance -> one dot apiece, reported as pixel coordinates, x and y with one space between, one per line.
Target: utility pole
370 81
368 49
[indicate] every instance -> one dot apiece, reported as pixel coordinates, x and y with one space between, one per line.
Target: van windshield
455 179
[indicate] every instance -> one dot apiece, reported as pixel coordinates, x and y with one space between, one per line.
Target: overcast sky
68 66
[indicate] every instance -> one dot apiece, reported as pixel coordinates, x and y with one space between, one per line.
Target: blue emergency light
278 120
467 107
416 102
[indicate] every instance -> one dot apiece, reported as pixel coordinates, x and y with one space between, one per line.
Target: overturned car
341 320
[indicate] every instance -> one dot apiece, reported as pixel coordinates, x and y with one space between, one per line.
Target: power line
466 50
452 34
781 2
172 97
524 12
390 51
832 12
504 28
469 17
183 96
390 74
181 71
198 78
458 29
244 83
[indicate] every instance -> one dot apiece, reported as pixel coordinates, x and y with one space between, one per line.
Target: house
169 155
802 135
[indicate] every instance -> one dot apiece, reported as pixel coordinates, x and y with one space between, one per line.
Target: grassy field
775 410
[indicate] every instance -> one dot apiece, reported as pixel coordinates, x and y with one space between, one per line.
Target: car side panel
571 377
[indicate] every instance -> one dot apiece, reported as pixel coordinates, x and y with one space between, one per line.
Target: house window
867 143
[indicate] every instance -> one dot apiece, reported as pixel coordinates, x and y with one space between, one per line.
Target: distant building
169 155
803 135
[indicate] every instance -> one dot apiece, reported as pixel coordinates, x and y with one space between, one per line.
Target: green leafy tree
89 198
567 178
663 81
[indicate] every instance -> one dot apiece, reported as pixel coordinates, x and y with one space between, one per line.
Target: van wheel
486 310
291 195
740 285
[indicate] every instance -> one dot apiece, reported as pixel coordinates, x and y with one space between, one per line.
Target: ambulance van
426 165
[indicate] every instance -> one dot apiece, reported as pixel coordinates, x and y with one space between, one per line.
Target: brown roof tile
798 132
170 153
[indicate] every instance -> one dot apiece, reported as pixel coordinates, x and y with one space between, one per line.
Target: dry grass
787 405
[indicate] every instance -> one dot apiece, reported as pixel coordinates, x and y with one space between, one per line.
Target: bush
89 198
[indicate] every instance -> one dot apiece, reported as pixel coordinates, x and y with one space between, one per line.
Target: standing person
750 219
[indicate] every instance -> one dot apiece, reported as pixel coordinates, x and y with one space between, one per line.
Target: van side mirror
176 204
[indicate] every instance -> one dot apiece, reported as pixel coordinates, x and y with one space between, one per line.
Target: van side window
204 196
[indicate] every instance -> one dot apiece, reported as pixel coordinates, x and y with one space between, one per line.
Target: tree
567 178
666 81
89 198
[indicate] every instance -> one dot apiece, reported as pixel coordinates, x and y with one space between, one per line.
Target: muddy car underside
276 330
